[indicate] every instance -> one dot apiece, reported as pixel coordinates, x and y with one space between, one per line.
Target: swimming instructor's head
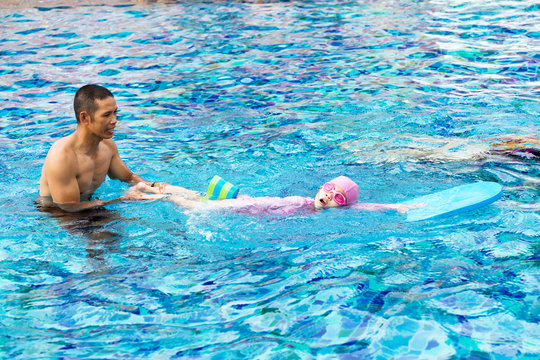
85 99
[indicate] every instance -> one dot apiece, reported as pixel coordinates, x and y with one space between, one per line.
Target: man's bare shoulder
66 141
109 143
62 149
61 162
110 147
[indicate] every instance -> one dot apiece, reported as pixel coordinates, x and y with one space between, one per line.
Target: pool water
276 97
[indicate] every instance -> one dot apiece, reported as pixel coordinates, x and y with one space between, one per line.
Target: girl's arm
402 208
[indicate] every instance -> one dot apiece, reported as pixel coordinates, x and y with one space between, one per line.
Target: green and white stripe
219 189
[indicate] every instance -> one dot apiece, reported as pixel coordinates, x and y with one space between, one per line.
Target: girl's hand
403 208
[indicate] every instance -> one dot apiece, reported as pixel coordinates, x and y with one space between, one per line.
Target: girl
340 191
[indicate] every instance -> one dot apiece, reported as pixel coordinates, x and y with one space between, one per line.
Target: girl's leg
183 202
164 188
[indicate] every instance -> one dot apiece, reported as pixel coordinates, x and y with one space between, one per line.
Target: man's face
104 120
326 199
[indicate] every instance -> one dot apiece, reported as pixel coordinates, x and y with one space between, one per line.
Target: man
77 164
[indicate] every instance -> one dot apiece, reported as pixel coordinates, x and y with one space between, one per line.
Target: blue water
277 98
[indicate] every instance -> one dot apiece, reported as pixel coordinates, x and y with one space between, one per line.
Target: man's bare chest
92 170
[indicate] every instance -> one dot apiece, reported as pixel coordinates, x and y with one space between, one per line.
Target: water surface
278 98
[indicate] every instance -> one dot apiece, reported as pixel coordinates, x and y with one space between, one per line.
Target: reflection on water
410 148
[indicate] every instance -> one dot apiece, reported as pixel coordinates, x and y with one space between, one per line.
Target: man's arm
118 169
87 205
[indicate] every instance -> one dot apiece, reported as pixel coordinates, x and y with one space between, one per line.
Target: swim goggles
339 198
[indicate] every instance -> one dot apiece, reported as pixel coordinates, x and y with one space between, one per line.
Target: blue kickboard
455 200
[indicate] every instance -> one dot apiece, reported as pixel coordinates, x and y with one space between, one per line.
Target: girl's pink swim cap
349 187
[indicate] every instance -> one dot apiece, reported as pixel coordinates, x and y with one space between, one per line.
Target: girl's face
329 195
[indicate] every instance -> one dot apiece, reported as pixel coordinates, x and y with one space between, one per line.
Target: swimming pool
271 96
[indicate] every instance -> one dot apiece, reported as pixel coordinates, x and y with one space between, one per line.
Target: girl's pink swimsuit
245 204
